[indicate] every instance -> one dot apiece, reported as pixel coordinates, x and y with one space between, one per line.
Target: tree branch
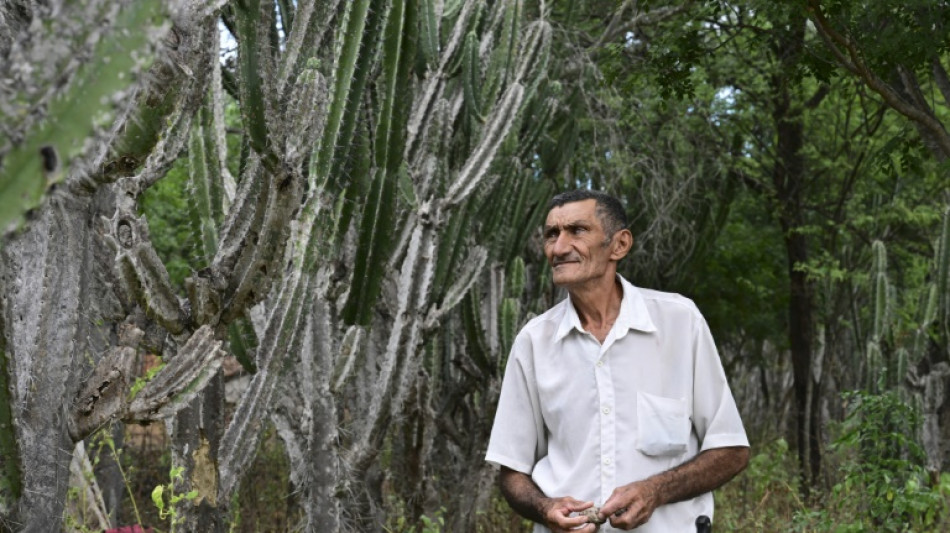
855 63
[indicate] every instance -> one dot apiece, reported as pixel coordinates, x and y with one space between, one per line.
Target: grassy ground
856 496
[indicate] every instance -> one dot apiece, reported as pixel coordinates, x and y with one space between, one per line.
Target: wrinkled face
576 245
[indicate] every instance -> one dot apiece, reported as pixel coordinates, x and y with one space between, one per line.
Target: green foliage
894 32
765 496
885 485
424 524
142 381
886 493
165 206
166 500
741 282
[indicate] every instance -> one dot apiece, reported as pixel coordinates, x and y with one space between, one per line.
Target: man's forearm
706 472
561 514
522 494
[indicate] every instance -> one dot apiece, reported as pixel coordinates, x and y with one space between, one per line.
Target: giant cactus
912 360
378 135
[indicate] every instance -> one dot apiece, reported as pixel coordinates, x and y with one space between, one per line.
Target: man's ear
621 244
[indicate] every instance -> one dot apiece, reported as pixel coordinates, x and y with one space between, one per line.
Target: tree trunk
789 181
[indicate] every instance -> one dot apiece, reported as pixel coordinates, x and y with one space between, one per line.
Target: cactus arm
180 380
477 349
943 276
473 265
217 195
476 167
508 323
454 240
142 272
535 52
509 39
379 215
243 218
311 37
425 105
879 278
471 77
47 151
358 187
168 101
217 135
365 58
299 31
281 337
413 285
429 33
149 138
350 349
351 33
251 279
104 394
287 14
305 115
252 57
201 198
243 342
374 236
10 473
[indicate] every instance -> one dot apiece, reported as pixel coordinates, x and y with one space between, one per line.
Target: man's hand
527 500
557 515
631 505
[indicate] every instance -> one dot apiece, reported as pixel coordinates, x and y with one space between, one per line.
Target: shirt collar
633 314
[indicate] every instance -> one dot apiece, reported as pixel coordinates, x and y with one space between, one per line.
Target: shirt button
606 410
607 460
600 363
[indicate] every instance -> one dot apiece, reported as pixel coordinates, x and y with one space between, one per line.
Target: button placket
607 416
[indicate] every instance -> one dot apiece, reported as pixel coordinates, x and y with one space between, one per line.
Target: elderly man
616 395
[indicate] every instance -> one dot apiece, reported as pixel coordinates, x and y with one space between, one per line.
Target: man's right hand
524 496
557 515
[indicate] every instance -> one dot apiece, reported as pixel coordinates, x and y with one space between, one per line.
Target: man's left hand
631 505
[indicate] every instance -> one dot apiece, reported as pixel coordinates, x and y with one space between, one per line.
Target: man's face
576 245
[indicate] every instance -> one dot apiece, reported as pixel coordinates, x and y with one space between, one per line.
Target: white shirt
583 418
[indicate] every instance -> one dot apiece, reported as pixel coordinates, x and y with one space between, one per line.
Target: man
616 395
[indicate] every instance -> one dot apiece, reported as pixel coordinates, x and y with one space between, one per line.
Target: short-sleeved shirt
583 418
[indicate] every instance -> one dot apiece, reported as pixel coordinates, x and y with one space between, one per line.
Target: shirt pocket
663 425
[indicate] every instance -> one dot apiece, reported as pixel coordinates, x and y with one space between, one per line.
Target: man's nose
561 245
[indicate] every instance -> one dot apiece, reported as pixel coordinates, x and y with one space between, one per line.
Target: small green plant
765 497
141 381
166 499
885 485
425 523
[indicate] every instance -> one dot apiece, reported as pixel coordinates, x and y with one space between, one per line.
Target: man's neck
598 306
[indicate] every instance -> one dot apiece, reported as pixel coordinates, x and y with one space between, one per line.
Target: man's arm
632 505
524 496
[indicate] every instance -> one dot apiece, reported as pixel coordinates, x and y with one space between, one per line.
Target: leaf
157 498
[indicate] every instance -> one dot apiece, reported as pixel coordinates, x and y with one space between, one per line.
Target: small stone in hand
593 515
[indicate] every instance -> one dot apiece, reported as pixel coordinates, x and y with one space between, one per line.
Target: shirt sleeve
715 415
518 439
